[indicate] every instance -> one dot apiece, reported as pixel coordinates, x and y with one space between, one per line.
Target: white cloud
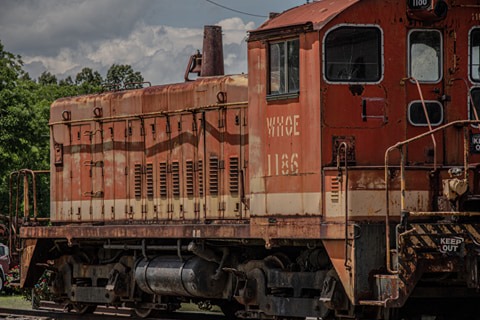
159 52
65 61
235 30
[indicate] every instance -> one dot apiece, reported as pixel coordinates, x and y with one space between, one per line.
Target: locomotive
339 179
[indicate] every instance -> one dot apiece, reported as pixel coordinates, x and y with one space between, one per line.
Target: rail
399 146
344 146
217 106
469 94
14 213
50 310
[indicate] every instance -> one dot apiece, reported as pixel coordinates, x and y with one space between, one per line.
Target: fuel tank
190 277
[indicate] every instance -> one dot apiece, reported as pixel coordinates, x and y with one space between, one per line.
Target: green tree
24 114
66 82
89 81
18 122
47 78
123 74
10 69
87 75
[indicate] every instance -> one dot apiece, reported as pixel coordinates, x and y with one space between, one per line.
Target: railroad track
51 311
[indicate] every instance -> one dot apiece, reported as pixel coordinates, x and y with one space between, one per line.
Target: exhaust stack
210 62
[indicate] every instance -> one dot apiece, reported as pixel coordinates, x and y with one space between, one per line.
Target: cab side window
475 94
284 67
425 55
416 114
353 54
475 55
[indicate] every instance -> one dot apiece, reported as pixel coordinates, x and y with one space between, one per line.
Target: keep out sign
450 244
475 143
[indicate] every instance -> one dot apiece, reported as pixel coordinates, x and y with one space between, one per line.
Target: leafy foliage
12 280
24 113
90 81
66 82
122 74
47 78
41 290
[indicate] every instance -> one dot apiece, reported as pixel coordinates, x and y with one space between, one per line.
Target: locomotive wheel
391 314
2 283
229 308
146 313
83 308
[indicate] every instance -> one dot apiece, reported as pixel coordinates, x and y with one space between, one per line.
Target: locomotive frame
316 186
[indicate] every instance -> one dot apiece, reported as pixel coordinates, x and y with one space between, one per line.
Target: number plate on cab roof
419 4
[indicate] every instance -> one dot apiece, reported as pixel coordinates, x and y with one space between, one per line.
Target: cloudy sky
156 37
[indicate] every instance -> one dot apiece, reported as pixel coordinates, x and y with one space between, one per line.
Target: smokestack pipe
212 58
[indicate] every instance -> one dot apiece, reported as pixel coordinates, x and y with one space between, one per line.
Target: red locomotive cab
363 113
374 85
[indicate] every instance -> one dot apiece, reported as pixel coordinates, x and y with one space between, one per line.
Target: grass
191 307
19 302
15 302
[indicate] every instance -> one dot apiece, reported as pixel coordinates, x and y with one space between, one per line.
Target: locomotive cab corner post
339 179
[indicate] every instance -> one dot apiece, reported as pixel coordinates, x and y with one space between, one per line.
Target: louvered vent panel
163 179
335 186
149 171
200 178
213 175
138 180
189 180
176 178
234 174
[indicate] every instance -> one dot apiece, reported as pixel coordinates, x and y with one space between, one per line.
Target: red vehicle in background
4 264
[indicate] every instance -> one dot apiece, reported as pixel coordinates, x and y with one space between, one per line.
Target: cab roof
310 16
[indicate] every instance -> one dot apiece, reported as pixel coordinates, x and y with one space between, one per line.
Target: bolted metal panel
150 168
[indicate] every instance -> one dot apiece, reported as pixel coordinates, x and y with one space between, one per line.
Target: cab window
475 94
353 54
284 65
416 114
475 55
425 56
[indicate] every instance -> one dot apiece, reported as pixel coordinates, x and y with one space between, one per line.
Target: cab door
425 94
474 101
354 100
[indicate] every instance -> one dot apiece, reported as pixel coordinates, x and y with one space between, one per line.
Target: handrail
469 95
165 113
14 217
344 145
400 145
428 120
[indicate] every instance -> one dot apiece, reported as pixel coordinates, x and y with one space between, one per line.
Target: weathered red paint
116 144
221 158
